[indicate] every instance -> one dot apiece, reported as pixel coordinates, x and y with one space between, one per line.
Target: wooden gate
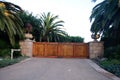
45 49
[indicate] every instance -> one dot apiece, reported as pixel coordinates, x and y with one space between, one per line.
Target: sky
75 13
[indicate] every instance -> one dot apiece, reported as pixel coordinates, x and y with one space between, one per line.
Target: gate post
96 49
26 47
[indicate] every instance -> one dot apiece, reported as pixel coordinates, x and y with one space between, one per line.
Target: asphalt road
51 69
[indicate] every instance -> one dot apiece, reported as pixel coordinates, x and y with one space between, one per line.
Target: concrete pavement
52 69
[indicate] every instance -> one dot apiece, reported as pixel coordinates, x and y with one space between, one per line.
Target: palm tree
105 19
10 22
50 28
104 16
108 0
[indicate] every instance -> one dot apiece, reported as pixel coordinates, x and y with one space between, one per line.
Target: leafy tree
34 21
10 22
50 28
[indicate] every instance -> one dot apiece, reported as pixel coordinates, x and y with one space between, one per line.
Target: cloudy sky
75 13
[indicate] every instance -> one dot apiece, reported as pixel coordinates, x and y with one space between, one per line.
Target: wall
26 47
96 49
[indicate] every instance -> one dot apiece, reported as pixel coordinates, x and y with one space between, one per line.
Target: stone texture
26 47
96 49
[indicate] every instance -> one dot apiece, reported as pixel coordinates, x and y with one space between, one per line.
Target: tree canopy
34 21
10 22
51 28
105 20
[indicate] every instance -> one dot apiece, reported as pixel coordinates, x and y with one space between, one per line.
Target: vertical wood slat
45 49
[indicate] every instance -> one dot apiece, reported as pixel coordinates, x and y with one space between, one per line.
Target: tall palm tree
50 28
10 22
105 19
109 0
105 15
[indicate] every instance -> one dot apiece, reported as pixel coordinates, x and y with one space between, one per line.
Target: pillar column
26 47
96 49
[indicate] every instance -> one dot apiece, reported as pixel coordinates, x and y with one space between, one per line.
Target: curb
25 60
102 71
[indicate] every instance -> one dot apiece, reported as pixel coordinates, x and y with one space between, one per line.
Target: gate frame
95 48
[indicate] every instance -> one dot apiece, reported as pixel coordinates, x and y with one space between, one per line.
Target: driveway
51 69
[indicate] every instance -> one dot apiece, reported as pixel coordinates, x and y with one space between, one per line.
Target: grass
7 62
110 62
112 65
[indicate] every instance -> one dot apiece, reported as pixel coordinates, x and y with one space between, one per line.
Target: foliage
105 16
34 21
7 62
5 43
10 22
111 38
51 30
112 66
105 20
5 53
112 52
76 39
5 49
109 62
48 25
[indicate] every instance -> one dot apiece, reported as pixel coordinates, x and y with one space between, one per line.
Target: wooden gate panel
43 49
60 52
38 49
81 50
68 50
50 50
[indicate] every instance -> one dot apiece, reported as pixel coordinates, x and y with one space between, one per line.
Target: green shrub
112 66
7 62
109 62
112 52
17 54
76 39
115 69
5 53
4 44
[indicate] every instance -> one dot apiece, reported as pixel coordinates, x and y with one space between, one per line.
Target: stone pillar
96 49
26 47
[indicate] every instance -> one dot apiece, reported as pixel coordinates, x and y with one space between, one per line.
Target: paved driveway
51 69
